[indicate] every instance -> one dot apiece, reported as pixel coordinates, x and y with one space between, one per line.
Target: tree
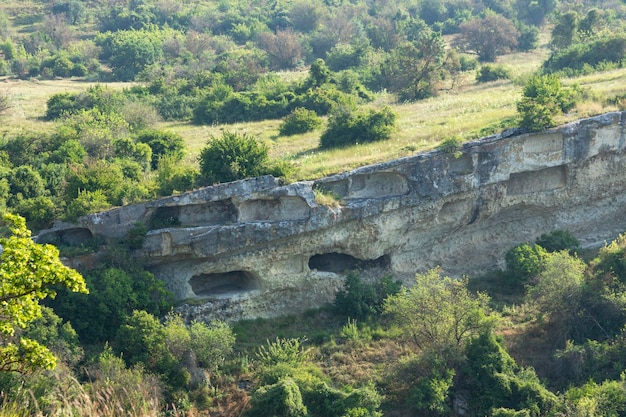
524 262
488 37
29 272
558 291
305 16
564 31
284 48
494 381
132 51
438 313
232 157
544 97
414 69
162 143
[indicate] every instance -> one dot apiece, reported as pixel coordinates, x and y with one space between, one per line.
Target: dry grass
422 125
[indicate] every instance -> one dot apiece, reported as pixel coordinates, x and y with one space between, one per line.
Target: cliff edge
256 248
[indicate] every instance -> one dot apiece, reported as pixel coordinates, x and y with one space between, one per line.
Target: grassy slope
421 125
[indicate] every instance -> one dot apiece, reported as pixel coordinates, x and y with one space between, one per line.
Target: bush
592 54
232 157
488 73
558 240
281 399
86 202
544 97
299 121
172 176
524 262
347 128
162 143
359 300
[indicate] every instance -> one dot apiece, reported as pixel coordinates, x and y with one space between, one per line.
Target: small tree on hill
232 157
439 313
544 97
488 37
347 128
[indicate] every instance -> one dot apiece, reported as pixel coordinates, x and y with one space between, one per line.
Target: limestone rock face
256 248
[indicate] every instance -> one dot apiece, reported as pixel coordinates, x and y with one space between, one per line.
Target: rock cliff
256 248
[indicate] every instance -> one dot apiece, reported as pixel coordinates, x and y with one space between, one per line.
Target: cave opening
341 262
223 283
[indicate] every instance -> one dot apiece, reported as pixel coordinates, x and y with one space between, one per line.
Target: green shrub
346 127
299 121
468 63
490 72
544 97
86 202
359 300
524 262
162 143
172 176
39 212
232 157
134 238
558 240
281 399
592 54
451 145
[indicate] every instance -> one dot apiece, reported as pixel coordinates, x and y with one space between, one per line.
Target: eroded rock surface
256 248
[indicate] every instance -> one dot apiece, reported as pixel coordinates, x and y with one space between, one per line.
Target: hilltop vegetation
113 102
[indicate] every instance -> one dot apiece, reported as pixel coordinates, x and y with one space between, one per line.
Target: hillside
166 141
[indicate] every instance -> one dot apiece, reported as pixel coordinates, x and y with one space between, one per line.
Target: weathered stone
258 248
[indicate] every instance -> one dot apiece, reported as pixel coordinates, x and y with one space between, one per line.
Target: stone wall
258 248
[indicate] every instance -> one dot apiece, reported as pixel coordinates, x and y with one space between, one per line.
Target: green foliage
282 351
430 395
558 240
612 259
130 52
299 121
280 399
232 157
452 144
542 98
360 300
578 57
30 272
162 144
172 176
524 262
592 399
86 202
136 235
494 380
558 292
346 128
39 212
114 294
488 73
212 343
414 69
438 313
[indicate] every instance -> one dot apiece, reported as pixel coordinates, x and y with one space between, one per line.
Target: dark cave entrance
341 262
224 283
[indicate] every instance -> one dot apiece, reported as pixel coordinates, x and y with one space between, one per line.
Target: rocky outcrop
258 248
